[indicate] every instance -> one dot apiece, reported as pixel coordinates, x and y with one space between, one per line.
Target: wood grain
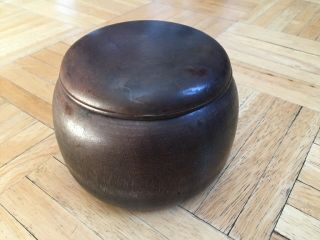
277 236
295 225
290 90
41 215
39 68
31 104
278 38
11 229
317 140
22 141
22 165
310 173
49 57
230 194
28 81
260 213
306 199
180 225
12 126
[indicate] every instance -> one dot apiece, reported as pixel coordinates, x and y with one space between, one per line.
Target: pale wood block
72 39
226 200
8 10
243 5
317 140
306 199
49 57
11 229
294 27
18 168
25 32
117 7
214 27
29 36
272 52
86 8
272 67
281 20
39 68
59 47
28 81
313 1
312 29
257 219
311 32
223 10
29 47
14 125
109 221
302 19
22 141
310 173
36 107
274 10
282 39
41 215
296 225
244 94
2 101
152 11
259 11
8 111
177 223
17 22
277 236
187 17
299 92
61 13
59 157
251 114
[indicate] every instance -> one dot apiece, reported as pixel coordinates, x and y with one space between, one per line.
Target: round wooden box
145 112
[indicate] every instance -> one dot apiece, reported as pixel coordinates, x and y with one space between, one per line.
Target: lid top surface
145 69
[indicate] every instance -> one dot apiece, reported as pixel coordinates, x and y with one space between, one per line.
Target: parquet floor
270 186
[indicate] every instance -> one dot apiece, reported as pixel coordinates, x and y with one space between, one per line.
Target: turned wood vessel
145 112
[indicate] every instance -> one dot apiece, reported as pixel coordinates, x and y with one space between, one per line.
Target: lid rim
125 116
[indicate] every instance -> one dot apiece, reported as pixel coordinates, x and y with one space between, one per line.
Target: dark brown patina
145 112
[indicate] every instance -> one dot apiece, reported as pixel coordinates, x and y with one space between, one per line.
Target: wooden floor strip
14 125
317 140
22 141
306 199
41 215
22 165
277 236
296 225
259 215
310 173
10 228
232 191
281 39
26 101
